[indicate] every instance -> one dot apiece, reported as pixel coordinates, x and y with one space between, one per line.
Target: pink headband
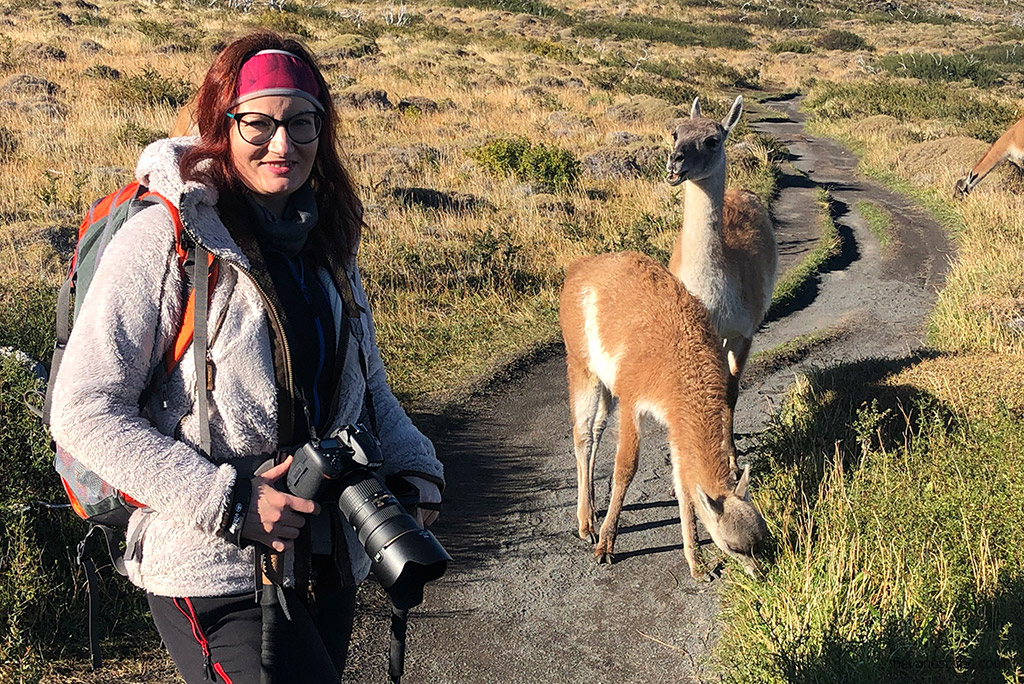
276 72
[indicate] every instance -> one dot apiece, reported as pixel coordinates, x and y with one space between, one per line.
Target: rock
617 163
41 52
91 47
371 97
37 105
621 138
413 157
547 81
644 107
348 46
174 48
415 103
566 123
9 143
62 238
437 199
102 71
26 84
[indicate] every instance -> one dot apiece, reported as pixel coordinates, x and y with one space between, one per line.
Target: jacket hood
158 170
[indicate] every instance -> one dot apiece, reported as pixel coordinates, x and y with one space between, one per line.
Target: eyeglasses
259 129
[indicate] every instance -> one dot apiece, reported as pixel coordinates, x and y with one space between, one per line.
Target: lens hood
406 563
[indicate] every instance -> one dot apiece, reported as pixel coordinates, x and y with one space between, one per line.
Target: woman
264 191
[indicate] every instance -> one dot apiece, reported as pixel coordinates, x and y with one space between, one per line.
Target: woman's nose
280 142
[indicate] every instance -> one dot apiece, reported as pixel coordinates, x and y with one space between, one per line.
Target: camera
403 557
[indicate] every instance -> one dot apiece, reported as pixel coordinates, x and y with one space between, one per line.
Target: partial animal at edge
632 332
1009 147
725 254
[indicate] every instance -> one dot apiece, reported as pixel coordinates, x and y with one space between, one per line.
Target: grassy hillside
493 142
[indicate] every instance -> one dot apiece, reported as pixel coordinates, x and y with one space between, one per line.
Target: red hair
340 222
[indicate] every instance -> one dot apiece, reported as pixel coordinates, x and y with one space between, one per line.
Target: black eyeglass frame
278 123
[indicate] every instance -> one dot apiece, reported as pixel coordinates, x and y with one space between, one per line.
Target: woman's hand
274 517
430 494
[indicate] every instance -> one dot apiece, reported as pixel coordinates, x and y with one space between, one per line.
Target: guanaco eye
674 136
711 143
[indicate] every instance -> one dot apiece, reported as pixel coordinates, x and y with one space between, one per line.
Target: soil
524 600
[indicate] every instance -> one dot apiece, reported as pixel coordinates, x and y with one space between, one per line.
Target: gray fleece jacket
130 317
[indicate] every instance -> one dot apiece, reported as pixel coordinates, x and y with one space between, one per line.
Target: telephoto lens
403 557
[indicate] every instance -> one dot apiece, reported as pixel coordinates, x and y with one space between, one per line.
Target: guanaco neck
699 441
701 236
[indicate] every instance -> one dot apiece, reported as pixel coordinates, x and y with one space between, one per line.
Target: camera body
403 557
319 465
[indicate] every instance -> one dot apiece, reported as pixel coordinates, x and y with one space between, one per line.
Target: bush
837 39
935 67
42 610
796 46
665 31
706 71
977 116
521 159
151 88
532 7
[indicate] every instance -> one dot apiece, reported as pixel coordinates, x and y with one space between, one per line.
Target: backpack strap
84 558
201 298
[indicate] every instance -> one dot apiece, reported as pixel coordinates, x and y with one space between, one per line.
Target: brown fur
185 124
1010 145
668 358
725 253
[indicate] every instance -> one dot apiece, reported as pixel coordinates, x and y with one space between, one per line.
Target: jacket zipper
271 312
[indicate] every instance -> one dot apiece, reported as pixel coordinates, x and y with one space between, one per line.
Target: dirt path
524 601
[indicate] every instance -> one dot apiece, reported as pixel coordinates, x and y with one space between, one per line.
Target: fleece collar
197 203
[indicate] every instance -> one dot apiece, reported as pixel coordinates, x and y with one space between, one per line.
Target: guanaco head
699 144
964 185
734 524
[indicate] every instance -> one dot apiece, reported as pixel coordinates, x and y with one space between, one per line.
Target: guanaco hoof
604 558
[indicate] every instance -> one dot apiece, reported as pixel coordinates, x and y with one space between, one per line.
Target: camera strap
396 654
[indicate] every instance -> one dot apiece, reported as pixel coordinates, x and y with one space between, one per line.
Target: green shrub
151 88
705 70
647 234
935 67
680 33
976 115
1008 57
532 7
281 22
796 46
521 159
93 19
838 39
133 134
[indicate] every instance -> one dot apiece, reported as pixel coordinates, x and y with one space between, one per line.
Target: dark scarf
287 234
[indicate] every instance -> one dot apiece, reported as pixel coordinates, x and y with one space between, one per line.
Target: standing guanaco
726 253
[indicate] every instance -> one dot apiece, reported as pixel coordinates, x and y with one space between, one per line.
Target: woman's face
277 168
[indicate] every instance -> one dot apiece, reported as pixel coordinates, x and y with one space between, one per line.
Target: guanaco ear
743 486
695 108
734 114
710 505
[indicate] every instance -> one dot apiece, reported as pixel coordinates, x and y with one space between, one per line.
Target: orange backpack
93 499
